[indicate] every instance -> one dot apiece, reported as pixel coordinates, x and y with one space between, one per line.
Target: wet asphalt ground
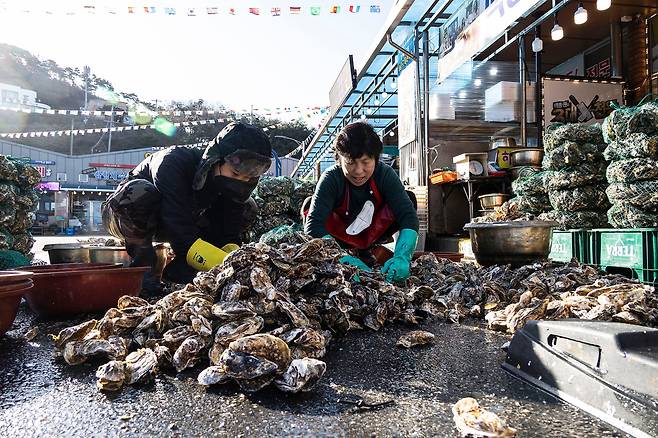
42 396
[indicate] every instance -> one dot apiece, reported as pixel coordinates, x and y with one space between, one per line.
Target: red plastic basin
67 292
10 298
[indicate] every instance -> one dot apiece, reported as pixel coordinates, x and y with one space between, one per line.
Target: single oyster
471 420
213 375
243 366
415 338
79 351
188 354
141 366
302 375
232 310
111 375
230 332
74 333
264 346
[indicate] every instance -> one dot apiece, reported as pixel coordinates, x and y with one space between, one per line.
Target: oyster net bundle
632 137
18 201
267 314
575 175
530 191
279 201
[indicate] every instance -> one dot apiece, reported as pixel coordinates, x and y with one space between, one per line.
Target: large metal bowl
516 243
118 254
492 200
67 253
527 157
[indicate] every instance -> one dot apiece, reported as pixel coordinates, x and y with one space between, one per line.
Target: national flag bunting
231 11
315 10
254 11
170 11
355 9
131 9
334 9
375 9
295 9
191 12
276 12
212 11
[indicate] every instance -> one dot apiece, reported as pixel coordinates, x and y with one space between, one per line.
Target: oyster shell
302 375
415 338
111 375
472 420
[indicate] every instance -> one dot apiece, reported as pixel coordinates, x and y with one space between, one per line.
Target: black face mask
236 190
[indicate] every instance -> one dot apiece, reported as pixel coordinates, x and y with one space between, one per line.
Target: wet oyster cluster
632 137
511 210
18 200
279 201
575 175
267 315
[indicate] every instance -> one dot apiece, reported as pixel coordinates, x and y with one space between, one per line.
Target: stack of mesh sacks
530 191
575 177
18 201
632 137
280 201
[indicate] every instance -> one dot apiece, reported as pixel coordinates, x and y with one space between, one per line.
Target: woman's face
359 170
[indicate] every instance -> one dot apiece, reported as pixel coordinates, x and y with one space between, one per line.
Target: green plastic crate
631 251
570 244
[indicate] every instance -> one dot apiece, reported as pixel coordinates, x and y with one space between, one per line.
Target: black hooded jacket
191 208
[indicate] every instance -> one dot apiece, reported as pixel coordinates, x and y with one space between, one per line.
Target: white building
14 96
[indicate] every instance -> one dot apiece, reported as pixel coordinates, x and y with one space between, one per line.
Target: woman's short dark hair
356 140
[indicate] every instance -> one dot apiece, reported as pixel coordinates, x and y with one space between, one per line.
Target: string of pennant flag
158 125
67 112
274 11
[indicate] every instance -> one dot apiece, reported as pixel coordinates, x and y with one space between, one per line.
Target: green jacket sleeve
325 197
397 199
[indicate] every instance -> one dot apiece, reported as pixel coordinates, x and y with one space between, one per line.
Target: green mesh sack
627 216
644 119
641 194
27 199
572 154
273 205
530 185
22 222
580 199
10 259
577 219
637 145
531 204
275 186
632 170
28 176
555 135
8 193
289 234
6 240
23 243
303 189
7 214
8 169
586 174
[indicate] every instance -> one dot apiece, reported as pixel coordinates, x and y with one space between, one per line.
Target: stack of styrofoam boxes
441 107
502 102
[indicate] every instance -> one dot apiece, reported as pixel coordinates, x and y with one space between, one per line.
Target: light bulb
369 111
363 116
394 84
477 82
384 94
580 16
602 5
493 71
557 33
537 45
377 101
462 94
391 134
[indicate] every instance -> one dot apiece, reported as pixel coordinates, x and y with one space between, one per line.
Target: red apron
382 219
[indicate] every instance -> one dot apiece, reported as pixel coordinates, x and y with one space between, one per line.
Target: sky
238 61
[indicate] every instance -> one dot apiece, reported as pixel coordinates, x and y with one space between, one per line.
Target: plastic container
59 290
632 252
570 244
13 285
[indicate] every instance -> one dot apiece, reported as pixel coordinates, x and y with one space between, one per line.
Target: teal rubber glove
397 267
354 261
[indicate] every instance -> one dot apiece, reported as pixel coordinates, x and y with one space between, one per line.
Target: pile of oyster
512 210
632 137
267 315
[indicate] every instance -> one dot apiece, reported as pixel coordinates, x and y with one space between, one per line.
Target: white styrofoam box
441 107
462 164
508 112
507 92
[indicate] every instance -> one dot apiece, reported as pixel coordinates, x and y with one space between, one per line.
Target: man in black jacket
197 201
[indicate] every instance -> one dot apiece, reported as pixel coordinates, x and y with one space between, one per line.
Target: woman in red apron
361 202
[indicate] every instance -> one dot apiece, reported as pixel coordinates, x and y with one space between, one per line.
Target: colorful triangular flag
295 10
212 11
254 11
170 11
375 9
355 9
334 9
131 9
315 10
232 11
191 12
276 12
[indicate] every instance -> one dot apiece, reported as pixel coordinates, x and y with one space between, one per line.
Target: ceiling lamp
363 116
477 82
557 33
537 45
580 16
394 84
602 5
384 94
377 101
369 110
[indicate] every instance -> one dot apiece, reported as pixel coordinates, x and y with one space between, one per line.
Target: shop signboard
43 162
48 185
343 85
568 100
407 105
458 21
44 171
483 31
89 170
110 175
